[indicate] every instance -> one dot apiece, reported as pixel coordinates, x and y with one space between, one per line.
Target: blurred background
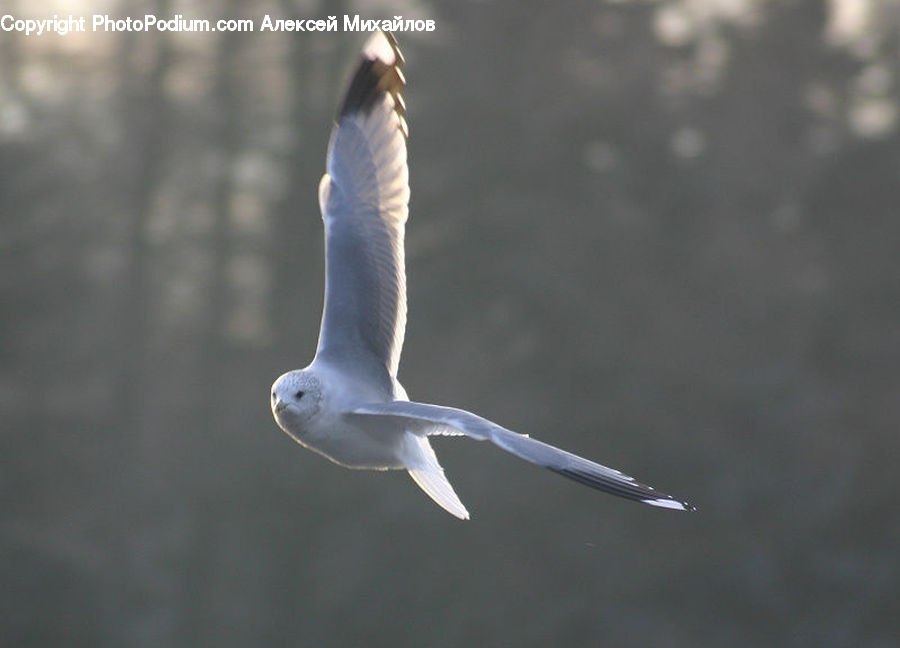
662 234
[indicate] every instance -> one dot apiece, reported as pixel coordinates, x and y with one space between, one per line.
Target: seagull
348 404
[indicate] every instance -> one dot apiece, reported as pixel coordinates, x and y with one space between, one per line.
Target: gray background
660 234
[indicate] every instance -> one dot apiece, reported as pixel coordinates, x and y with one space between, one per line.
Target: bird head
296 399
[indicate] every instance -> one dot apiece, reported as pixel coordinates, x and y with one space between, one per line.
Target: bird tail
430 477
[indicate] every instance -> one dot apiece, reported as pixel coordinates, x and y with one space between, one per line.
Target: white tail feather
435 484
430 477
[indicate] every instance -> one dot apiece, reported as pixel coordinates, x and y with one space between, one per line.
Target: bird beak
279 406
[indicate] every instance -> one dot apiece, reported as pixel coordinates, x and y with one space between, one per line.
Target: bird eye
299 395
273 396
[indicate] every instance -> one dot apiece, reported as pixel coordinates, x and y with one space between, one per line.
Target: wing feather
422 418
364 199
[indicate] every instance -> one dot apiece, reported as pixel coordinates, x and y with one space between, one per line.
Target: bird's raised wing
428 419
363 198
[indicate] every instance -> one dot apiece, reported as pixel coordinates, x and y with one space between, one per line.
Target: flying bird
348 404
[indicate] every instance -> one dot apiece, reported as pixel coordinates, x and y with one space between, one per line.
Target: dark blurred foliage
661 234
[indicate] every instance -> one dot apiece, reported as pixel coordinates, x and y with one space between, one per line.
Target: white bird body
348 405
330 430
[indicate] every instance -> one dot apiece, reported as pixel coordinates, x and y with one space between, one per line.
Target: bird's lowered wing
363 198
422 419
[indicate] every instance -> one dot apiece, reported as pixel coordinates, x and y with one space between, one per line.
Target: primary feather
432 419
364 198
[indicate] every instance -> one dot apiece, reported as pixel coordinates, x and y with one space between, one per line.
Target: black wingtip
378 73
632 490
